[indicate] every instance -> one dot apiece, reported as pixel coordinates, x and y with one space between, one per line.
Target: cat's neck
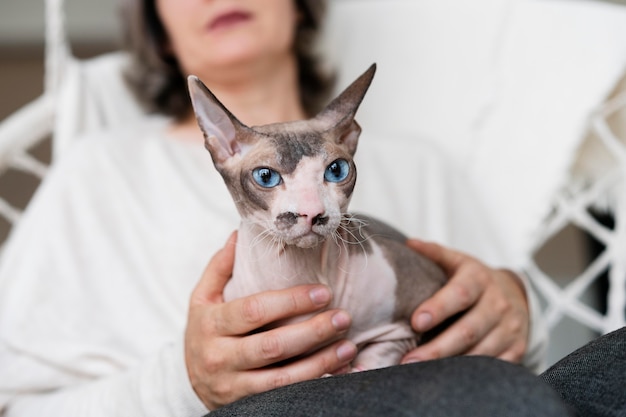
261 264
266 256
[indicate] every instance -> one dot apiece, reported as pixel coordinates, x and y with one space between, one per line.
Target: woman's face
218 35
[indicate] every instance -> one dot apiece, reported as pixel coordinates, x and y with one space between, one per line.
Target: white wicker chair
598 182
76 98
601 188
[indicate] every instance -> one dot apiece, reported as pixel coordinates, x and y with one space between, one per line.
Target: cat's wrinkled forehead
294 140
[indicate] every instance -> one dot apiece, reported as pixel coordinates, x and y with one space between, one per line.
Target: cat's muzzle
298 230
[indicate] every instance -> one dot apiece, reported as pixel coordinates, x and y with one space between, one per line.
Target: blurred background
93 29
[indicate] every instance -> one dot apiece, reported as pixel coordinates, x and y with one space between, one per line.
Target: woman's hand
494 319
227 361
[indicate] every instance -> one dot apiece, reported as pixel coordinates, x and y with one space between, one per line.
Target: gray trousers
593 378
589 382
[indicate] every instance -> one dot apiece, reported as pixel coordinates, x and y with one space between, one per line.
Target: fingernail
346 351
407 361
341 320
320 296
423 321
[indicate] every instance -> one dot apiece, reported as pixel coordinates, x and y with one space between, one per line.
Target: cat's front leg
382 354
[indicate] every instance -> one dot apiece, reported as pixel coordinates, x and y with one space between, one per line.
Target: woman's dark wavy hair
157 81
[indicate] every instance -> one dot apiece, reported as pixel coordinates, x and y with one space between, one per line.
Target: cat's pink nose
315 216
311 208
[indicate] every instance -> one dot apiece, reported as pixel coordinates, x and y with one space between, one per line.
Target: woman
95 314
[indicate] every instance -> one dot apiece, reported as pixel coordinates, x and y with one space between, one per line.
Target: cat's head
294 180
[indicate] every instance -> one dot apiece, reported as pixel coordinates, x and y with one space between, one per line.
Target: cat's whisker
261 238
336 237
342 245
272 248
347 221
278 245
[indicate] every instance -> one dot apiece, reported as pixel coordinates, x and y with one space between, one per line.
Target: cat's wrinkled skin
292 183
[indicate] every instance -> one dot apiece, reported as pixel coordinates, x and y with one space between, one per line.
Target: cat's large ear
339 114
218 125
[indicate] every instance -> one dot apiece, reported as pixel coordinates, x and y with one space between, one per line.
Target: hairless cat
292 183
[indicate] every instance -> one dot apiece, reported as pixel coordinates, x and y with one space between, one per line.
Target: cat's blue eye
266 177
337 171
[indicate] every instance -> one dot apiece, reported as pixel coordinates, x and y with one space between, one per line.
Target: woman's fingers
325 361
459 338
468 280
492 304
285 342
250 313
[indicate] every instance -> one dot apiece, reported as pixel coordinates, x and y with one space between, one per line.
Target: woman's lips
229 19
